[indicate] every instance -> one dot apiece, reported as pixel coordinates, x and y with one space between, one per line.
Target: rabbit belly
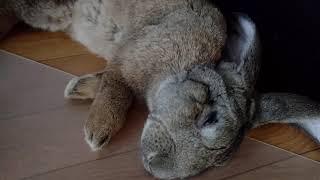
94 28
102 25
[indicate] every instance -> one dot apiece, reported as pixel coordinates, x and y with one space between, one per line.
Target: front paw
97 136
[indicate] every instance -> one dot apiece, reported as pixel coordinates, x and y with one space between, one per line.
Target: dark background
290 35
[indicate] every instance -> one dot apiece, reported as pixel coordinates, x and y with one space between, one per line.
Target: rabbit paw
97 136
84 87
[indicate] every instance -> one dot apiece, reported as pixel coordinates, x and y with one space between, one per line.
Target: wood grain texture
17 92
78 64
295 168
248 157
41 45
52 137
285 137
129 166
315 155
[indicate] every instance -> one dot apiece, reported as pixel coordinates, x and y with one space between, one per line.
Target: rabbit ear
288 108
240 61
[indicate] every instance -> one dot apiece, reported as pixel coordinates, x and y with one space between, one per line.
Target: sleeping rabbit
195 70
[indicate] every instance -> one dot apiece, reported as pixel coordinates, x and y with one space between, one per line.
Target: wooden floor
59 51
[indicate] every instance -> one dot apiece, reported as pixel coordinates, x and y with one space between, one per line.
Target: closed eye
217 149
211 119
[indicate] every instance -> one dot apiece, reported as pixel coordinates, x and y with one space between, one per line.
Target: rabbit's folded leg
83 87
108 111
49 15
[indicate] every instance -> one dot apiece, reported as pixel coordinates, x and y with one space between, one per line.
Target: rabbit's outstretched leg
112 99
289 108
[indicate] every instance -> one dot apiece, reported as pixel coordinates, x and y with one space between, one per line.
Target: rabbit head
198 117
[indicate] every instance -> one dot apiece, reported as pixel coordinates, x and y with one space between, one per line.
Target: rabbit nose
156 163
156 159
158 148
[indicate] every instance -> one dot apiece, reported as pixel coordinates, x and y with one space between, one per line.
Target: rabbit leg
109 109
289 108
52 15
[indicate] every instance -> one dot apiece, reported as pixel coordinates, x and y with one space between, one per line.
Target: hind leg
83 87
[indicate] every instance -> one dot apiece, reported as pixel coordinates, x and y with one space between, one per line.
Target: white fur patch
85 90
69 88
93 27
249 31
92 145
209 132
313 128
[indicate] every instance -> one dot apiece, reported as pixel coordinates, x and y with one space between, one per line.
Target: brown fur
165 51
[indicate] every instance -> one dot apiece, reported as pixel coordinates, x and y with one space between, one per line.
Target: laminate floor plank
28 87
314 155
78 65
296 168
285 137
52 136
129 166
41 46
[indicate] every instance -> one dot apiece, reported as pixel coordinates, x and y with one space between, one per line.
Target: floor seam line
57 58
256 168
78 164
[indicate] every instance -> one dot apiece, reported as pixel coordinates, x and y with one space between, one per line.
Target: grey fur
289 108
165 51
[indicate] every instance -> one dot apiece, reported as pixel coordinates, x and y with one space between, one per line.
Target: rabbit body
165 51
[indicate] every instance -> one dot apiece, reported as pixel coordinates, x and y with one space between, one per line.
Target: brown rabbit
165 51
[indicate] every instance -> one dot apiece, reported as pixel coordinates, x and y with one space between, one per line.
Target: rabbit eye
211 119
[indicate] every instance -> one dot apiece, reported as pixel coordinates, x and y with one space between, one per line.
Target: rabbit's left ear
240 62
